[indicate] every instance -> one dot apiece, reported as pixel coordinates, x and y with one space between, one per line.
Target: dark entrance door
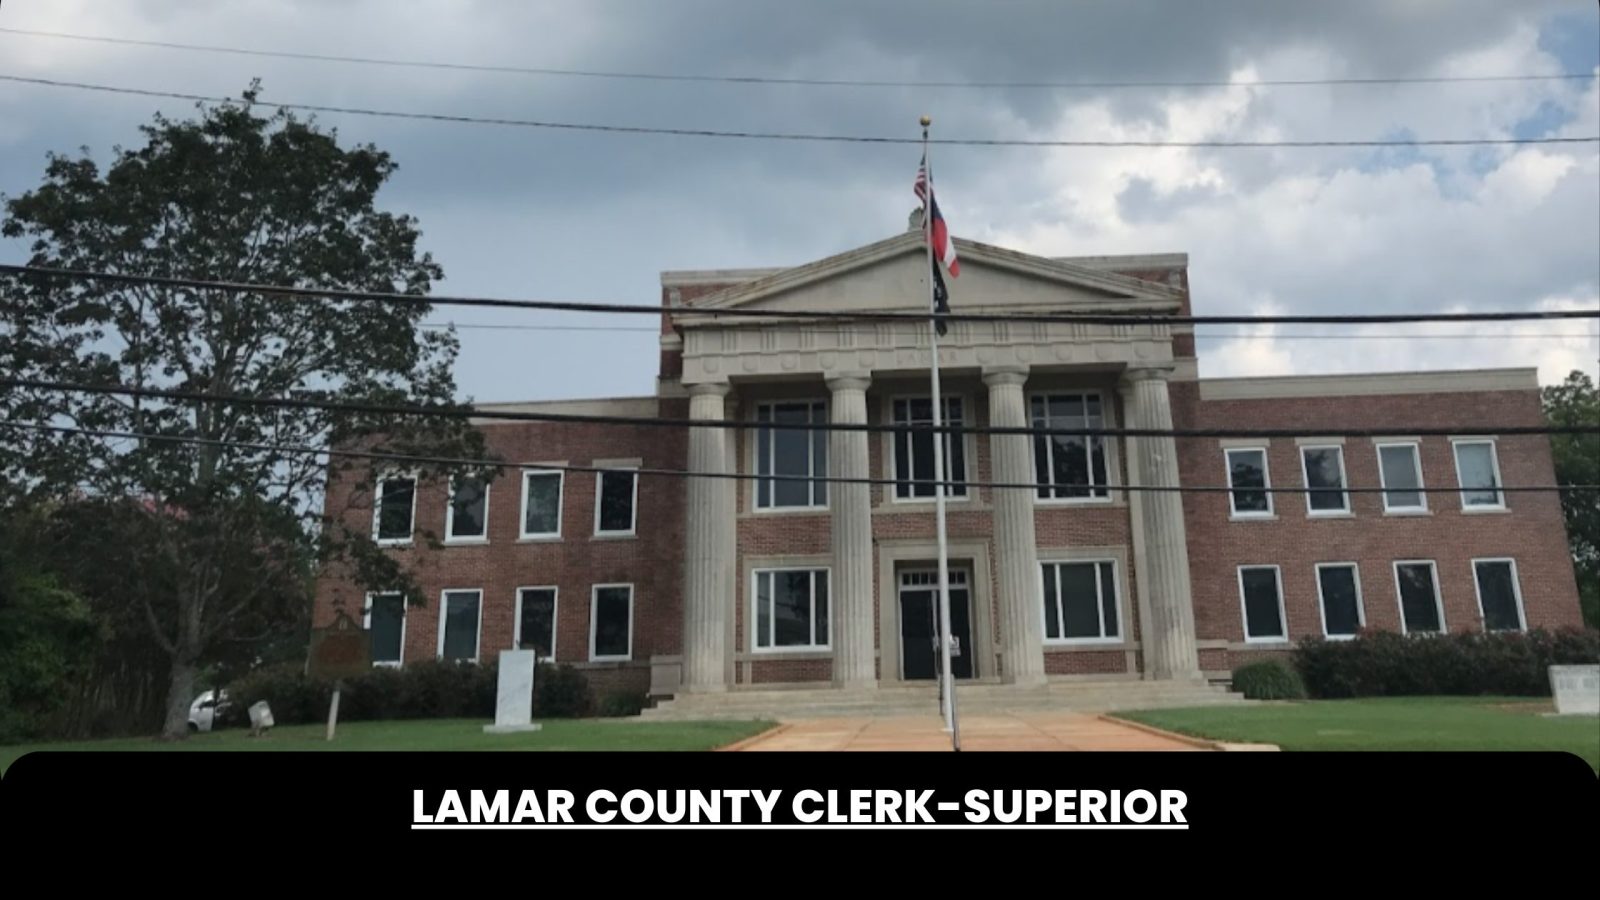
919 622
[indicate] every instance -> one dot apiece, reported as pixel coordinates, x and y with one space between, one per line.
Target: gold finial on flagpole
926 121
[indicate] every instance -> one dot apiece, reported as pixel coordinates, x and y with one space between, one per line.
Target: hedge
1378 664
423 690
1269 679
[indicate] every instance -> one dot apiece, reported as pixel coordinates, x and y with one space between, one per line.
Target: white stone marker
1576 690
513 705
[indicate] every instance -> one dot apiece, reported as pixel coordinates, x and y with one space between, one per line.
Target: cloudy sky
522 212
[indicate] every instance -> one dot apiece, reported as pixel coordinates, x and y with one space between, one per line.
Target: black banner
1203 802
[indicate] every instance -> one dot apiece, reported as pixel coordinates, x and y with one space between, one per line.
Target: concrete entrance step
977 699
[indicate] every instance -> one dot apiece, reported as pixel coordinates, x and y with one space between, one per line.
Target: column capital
998 375
849 381
1136 374
709 389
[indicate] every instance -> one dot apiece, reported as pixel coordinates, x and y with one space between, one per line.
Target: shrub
1378 664
627 703
1269 679
421 690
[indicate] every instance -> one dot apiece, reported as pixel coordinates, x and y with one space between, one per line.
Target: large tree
1576 402
227 517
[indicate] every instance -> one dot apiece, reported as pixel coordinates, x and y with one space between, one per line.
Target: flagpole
946 677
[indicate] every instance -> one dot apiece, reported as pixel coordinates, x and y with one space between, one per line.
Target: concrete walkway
1017 731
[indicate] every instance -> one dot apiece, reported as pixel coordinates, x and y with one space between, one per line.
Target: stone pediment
892 275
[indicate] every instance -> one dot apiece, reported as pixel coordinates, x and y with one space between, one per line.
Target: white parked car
203 711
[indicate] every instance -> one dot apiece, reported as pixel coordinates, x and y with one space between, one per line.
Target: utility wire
468 412
458 462
801 136
472 326
771 80
320 293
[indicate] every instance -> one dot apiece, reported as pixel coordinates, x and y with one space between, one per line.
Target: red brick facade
1529 530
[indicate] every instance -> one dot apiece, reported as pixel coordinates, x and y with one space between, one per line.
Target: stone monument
1576 690
513 705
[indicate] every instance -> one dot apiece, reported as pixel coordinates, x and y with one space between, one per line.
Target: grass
437 734
1390 723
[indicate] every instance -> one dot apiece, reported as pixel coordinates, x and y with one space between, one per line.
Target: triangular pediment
891 275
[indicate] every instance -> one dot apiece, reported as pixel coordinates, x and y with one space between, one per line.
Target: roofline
644 404
1370 383
1129 261
686 277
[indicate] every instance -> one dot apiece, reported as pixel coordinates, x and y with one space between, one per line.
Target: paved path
1019 731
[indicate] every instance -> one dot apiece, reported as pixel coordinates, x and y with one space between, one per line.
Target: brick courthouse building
700 587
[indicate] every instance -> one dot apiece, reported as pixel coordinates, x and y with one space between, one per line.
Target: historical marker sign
342 650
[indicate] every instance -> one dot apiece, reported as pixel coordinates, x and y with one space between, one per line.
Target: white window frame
1271 511
755 616
366 625
561 501
811 460
1383 480
1099 603
1305 479
1322 603
1244 610
633 503
377 507
444 613
963 435
1438 595
594 621
1111 482
450 516
1516 592
555 612
1494 464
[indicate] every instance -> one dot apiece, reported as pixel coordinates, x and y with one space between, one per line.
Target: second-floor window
1400 469
468 517
1478 471
1324 471
396 504
1247 476
790 449
541 504
616 493
913 450
1069 466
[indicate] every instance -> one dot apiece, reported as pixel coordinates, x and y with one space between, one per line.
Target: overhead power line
468 412
322 293
775 80
802 136
480 326
458 462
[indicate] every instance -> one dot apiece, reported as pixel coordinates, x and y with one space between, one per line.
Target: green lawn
1390 723
440 734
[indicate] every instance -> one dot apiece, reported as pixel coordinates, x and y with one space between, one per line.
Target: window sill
1267 642
787 511
1484 510
393 542
1087 644
791 652
465 542
1408 512
611 659
1257 517
614 536
538 538
1336 514
1072 501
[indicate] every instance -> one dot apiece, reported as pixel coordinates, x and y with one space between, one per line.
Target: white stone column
1016 549
708 547
854 631
1168 633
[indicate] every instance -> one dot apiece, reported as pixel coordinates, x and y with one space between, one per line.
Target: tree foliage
229 515
1576 402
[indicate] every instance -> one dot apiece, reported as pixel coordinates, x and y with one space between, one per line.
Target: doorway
919 623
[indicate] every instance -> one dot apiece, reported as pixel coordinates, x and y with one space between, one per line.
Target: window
541 504
459 618
1323 468
1069 466
913 450
611 622
1499 595
1261 596
397 501
1478 472
1247 476
468 516
1080 601
614 501
1339 592
791 609
385 621
1420 609
536 621
793 450
1401 471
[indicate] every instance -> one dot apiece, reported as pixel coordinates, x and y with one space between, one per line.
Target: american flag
933 224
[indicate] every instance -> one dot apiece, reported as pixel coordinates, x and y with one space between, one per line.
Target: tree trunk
180 693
